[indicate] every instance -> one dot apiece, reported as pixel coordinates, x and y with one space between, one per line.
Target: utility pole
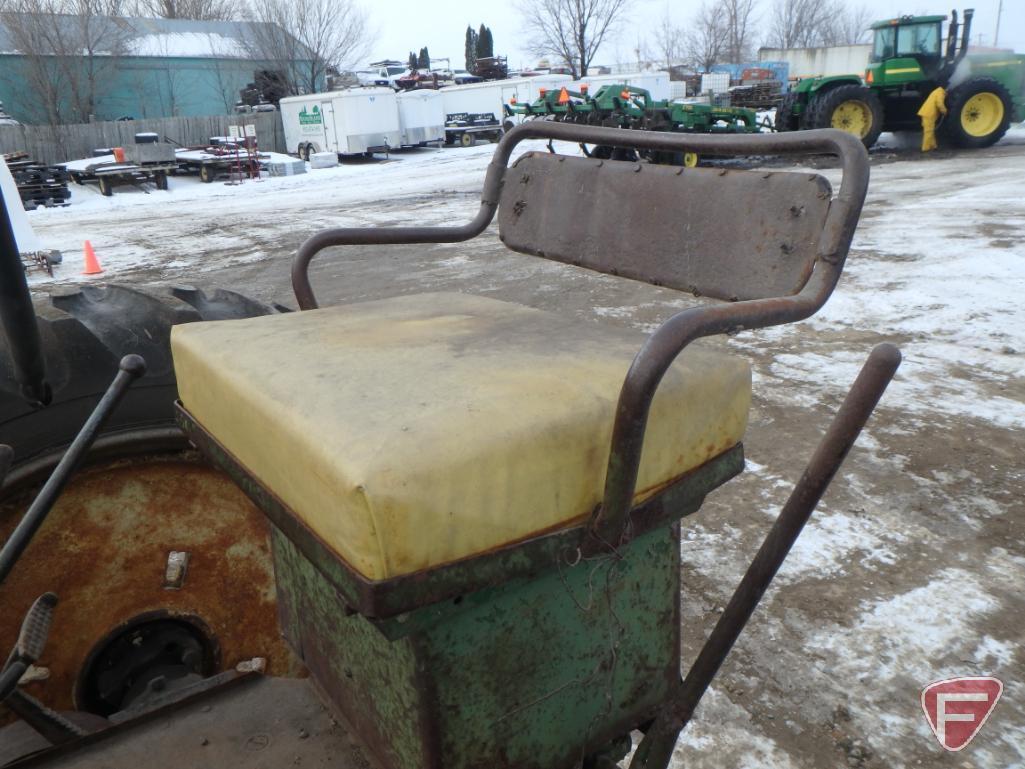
1000 11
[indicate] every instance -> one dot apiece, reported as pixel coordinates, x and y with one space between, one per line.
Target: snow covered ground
912 569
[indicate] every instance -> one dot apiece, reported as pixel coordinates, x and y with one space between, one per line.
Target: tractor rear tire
85 332
851 108
785 119
978 113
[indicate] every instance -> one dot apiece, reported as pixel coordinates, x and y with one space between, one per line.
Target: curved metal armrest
609 524
839 225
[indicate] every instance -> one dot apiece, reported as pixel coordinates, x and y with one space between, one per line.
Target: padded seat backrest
728 234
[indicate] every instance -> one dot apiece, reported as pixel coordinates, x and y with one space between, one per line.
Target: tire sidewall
951 128
822 106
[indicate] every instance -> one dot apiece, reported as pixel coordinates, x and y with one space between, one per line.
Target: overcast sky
405 25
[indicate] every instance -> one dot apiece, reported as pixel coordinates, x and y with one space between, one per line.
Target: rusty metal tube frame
831 142
656 748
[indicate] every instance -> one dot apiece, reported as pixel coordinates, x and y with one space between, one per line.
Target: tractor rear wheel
851 108
142 503
785 119
978 113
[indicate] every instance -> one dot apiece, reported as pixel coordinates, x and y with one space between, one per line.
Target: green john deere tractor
985 91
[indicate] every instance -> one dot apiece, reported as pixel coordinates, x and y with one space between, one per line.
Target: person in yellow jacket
930 111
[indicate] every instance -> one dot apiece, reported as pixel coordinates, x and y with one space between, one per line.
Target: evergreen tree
424 61
412 61
483 43
471 50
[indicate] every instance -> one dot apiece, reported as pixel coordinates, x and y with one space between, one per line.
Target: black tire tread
85 331
785 119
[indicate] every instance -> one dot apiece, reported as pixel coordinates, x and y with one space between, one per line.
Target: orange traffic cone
92 264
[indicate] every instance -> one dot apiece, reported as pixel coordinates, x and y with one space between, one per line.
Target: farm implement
619 105
473 560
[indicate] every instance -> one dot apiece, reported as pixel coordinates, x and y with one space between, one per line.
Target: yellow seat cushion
412 432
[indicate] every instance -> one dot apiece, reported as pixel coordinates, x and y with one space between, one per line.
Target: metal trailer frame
111 175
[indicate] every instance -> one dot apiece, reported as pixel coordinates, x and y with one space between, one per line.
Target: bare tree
798 23
571 31
738 17
670 41
706 39
848 25
205 10
306 37
69 52
806 23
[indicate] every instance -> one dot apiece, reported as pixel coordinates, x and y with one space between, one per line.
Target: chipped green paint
533 673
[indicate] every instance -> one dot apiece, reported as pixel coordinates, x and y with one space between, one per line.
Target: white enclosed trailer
421 117
351 122
479 108
655 83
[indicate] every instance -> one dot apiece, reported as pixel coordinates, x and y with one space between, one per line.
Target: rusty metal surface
656 749
725 234
104 551
253 723
387 598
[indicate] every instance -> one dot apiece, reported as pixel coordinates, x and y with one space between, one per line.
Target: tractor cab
909 50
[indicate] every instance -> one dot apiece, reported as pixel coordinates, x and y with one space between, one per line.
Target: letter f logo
956 708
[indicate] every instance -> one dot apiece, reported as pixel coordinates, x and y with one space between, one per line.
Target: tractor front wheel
978 113
851 108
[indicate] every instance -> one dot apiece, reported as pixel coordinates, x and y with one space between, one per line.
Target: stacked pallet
757 95
38 184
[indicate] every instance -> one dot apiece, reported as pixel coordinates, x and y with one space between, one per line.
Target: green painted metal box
532 673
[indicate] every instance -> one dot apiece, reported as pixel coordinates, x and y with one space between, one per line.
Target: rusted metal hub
151 656
158 537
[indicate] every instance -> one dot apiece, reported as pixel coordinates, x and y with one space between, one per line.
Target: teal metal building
139 68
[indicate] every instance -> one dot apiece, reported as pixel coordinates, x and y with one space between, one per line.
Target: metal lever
31 641
131 368
655 750
35 629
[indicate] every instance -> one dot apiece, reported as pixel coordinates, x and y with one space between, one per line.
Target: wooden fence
50 144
